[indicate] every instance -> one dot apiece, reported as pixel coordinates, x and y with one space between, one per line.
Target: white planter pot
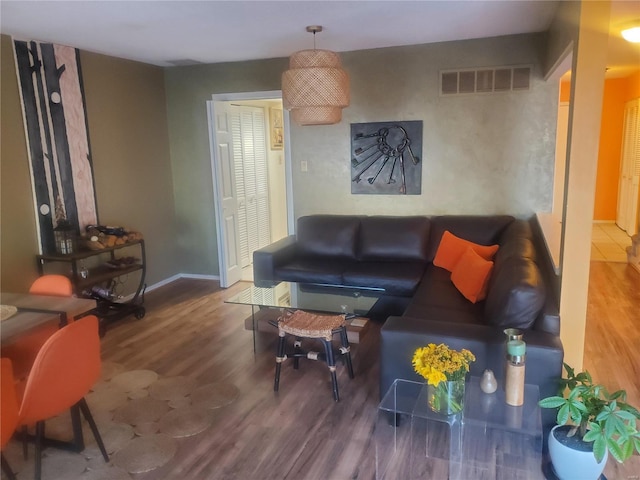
571 464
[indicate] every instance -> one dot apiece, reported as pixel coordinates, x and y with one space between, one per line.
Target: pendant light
315 88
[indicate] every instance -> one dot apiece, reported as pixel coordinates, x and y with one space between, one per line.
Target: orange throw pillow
471 276
452 248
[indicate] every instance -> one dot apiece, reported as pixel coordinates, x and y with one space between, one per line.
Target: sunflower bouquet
445 370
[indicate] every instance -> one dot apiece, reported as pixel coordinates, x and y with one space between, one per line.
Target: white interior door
242 195
629 181
226 203
252 181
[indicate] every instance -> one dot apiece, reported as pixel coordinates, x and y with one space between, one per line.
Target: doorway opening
252 180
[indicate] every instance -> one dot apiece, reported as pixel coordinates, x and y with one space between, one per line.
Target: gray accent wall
482 154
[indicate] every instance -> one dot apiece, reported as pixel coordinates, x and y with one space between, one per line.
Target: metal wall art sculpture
55 121
386 158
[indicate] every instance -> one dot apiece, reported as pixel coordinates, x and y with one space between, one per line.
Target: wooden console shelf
103 276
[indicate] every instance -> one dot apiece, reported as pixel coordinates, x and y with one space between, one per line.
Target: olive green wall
489 153
482 153
126 112
188 90
18 237
161 183
562 32
127 115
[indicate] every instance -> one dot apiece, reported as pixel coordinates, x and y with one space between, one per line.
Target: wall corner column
587 85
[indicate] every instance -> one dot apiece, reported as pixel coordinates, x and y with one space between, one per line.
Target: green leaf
627 449
619 394
570 371
613 424
580 406
636 444
599 447
628 408
583 377
563 414
592 435
552 402
614 449
575 413
630 417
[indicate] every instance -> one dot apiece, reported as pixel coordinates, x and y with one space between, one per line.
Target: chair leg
76 425
25 440
346 350
84 407
38 457
297 349
279 360
331 363
6 468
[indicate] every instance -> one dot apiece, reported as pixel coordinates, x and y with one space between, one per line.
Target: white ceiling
165 32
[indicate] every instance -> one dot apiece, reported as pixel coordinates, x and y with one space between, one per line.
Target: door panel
242 183
225 173
250 154
629 183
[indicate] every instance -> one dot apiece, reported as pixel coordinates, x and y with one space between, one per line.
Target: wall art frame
52 94
386 158
276 129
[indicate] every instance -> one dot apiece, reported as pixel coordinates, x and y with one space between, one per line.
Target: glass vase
447 398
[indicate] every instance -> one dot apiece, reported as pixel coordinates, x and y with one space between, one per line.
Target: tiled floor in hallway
609 243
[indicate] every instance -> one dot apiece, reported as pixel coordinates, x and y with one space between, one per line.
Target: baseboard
172 279
199 277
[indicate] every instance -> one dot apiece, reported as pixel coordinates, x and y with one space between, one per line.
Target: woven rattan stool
309 325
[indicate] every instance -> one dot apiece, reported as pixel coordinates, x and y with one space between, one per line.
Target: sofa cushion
399 278
471 275
309 270
328 236
516 294
392 239
484 230
452 248
434 313
436 293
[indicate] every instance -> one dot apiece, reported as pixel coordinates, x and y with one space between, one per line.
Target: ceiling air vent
184 62
485 80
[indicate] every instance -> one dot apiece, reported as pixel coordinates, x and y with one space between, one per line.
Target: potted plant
445 371
591 423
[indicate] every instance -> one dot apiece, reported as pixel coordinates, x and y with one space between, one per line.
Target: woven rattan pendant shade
315 88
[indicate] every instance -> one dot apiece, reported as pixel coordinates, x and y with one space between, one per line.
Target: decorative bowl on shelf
123 262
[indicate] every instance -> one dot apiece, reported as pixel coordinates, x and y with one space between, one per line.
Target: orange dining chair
55 285
8 411
24 350
67 366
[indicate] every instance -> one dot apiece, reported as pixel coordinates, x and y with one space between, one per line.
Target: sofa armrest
400 336
267 259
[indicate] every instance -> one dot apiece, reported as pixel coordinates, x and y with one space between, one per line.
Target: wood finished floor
612 343
300 433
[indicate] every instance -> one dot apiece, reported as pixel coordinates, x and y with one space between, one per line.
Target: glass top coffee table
352 301
490 439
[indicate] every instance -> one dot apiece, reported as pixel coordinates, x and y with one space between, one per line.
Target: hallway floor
609 243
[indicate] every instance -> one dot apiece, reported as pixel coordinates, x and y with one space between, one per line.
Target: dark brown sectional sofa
420 304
